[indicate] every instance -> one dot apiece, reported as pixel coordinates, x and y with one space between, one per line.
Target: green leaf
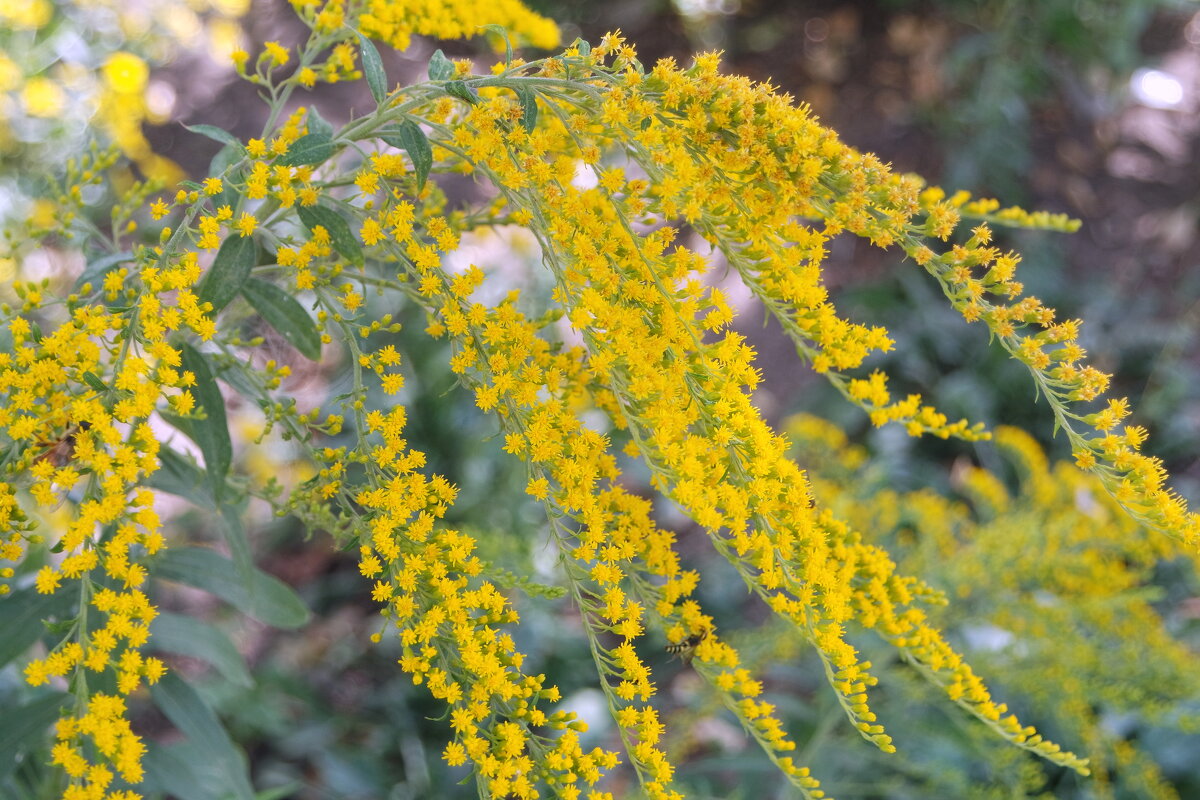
373 69
93 380
23 612
215 133
318 124
529 109
96 270
502 32
410 138
212 433
267 598
225 158
228 272
309 150
462 92
214 750
25 725
234 376
440 67
582 46
187 636
178 771
177 474
340 235
284 314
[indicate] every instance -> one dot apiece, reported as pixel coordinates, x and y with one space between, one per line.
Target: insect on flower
60 451
687 648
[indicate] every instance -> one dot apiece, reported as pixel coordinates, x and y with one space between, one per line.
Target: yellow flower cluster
1055 566
107 728
683 384
76 404
396 21
979 281
428 580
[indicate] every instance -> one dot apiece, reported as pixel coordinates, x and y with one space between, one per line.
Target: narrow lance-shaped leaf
529 109
267 599
185 636
318 124
211 434
187 710
410 138
99 268
284 314
502 32
373 69
24 611
309 150
340 235
230 511
228 272
25 726
178 475
463 92
216 134
93 380
179 770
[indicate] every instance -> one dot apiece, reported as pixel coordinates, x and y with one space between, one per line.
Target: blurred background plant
70 72
1083 106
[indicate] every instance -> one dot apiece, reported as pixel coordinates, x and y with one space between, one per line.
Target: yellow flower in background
126 73
230 8
224 39
42 214
42 97
10 74
394 21
31 14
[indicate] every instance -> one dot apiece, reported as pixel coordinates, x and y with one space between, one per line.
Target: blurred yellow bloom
26 13
10 74
225 39
230 8
42 97
42 214
126 73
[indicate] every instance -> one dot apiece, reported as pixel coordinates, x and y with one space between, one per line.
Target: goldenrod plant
637 186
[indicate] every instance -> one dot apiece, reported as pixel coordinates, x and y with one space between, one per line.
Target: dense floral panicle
617 552
624 565
751 172
684 386
75 405
1055 565
979 281
450 625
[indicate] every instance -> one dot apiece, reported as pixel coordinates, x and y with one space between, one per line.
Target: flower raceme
677 161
